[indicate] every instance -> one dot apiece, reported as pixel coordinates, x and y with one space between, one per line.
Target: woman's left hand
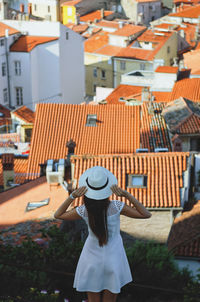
79 192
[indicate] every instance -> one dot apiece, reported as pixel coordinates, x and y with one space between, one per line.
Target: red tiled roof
166 69
117 131
11 30
71 3
13 202
96 42
20 169
25 113
27 43
153 132
80 28
190 12
190 60
6 115
128 30
122 91
95 15
161 96
187 88
164 173
109 50
106 23
184 237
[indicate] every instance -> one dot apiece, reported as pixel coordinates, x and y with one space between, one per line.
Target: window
142 66
94 87
28 133
35 7
19 96
91 120
103 74
67 35
168 49
122 65
49 8
2 42
69 11
95 72
3 69
17 68
5 95
137 181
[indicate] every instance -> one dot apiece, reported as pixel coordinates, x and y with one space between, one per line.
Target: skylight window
91 120
37 204
137 181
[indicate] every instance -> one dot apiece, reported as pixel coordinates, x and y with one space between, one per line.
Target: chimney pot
71 146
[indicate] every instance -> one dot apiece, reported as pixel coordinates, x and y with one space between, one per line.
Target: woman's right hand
79 192
118 191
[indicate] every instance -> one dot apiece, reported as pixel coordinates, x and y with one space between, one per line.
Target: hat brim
98 194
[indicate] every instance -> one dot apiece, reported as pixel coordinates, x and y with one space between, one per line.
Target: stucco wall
41 9
155 228
172 43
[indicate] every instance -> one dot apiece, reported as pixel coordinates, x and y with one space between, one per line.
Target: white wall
102 93
72 66
45 71
163 81
23 80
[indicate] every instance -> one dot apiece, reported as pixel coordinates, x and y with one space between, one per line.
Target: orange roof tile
96 42
80 28
13 202
128 30
106 23
187 88
153 131
109 50
11 30
135 53
190 60
161 96
184 237
4 115
190 12
116 131
95 15
20 169
122 91
25 113
167 69
27 43
71 3
165 169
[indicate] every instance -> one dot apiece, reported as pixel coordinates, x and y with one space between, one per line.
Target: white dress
103 267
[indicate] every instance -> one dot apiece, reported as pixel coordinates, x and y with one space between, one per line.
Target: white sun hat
98 181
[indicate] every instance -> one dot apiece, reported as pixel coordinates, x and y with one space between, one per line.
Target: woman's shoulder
116 206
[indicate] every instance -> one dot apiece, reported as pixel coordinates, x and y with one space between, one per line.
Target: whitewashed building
46 65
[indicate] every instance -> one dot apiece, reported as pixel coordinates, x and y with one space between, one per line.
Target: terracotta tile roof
167 26
122 91
13 202
161 96
20 170
167 69
135 53
184 237
95 15
3 27
190 12
4 115
80 28
27 43
71 3
165 169
187 88
182 116
109 50
129 30
106 23
190 60
153 131
96 42
25 113
117 131
198 45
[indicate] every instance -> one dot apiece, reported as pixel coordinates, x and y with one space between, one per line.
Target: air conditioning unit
142 150
55 172
157 150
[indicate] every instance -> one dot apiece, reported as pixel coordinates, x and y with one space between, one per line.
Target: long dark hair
97 216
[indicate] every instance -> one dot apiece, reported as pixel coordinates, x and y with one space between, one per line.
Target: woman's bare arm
62 212
139 211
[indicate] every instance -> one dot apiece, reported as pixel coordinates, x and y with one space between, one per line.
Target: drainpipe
7 64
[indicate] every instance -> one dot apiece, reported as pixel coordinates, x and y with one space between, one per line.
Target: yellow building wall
167 54
100 63
68 14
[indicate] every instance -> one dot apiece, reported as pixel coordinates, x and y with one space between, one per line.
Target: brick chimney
8 169
22 8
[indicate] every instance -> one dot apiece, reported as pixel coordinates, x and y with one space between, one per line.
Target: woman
102 267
